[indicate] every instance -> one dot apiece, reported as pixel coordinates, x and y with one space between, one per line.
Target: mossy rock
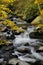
37 20
5 42
36 35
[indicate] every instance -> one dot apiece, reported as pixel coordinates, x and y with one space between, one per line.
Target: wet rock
15 56
16 32
26 44
10 37
37 63
6 52
36 35
40 49
2 28
16 61
23 49
10 47
24 27
5 47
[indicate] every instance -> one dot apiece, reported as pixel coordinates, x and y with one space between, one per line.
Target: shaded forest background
26 9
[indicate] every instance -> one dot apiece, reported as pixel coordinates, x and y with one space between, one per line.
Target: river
27 49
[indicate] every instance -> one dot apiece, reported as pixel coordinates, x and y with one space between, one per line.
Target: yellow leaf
41 12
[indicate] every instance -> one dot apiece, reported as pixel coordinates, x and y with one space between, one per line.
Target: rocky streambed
23 50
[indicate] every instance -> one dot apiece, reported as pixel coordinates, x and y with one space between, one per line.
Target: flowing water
26 47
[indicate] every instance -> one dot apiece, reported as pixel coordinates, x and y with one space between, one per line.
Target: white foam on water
27 59
36 55
1 60
23 38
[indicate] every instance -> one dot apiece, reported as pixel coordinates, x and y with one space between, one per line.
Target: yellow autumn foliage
39 28
41 12
11 24
3 14
4 11
4 8
7 1
41 25
5 42
39 19
38 1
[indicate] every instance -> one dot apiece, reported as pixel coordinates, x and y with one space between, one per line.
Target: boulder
36 35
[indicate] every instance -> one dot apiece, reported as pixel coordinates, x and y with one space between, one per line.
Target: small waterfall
20 41
24 37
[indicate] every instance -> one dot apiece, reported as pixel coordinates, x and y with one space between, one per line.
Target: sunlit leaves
41 12
5 11
3 14
7 1
12 25
38 1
